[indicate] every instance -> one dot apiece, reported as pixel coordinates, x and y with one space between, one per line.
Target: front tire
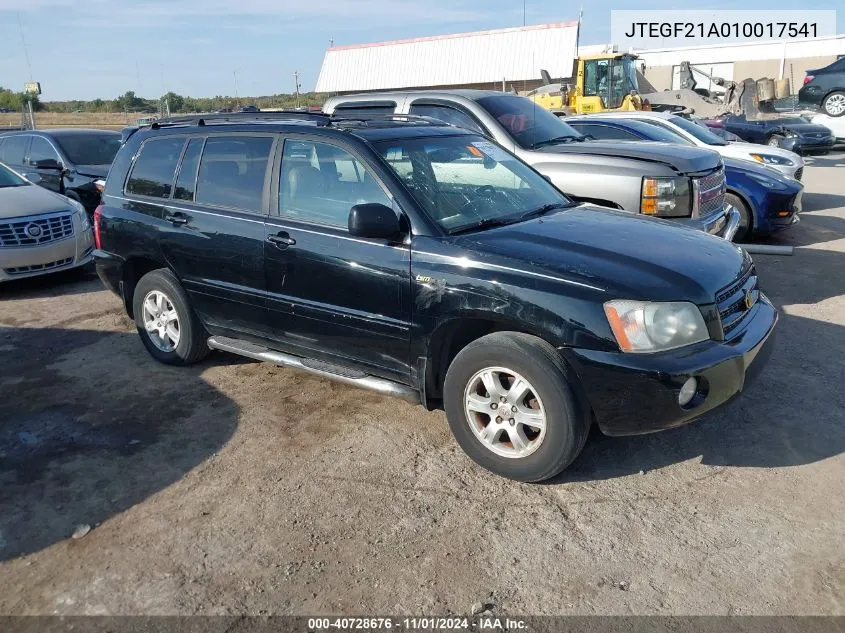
511 405
774 140
834 104
167 325
746 220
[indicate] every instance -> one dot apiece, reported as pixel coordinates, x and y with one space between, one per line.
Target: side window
605 132
232 171
14 149
186 181
353 108
40 149
447 115
153 171
321 183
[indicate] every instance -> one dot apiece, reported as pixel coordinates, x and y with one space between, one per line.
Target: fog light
687 392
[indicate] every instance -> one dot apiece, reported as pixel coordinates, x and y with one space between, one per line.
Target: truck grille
731 301
23 270
36 230
711 192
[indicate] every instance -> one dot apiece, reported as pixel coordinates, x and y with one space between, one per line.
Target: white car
784 161
836 124
40 231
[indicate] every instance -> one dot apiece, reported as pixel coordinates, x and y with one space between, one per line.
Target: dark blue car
793 133
766 200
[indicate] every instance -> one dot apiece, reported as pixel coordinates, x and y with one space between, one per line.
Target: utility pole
296 86
237 98
523 12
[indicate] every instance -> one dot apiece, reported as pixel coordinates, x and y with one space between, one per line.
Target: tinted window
701 133
602 132
232 171
447 115
321 183
530 125
90 149
152 174
13 150
186 182
40 149
10 179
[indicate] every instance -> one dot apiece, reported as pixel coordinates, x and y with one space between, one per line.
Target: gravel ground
235 487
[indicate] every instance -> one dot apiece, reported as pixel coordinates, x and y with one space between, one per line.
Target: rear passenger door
331 296
211 227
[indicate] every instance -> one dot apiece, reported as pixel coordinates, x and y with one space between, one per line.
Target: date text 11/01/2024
484 623
722 30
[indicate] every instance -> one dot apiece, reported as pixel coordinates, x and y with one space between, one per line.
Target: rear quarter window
154 169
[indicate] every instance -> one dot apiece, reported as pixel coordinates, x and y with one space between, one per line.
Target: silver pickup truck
673 182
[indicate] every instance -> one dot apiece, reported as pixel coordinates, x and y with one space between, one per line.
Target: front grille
731 300
36 230
711 192
23 270
798 173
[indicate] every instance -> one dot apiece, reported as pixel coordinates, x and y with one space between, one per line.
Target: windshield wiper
555 141
546 208
486 223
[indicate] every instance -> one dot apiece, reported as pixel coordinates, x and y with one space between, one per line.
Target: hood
744 149
805 129
30 200
630 257
682 158
98 171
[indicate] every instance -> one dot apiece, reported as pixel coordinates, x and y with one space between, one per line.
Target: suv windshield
530 125
90 149
702 133
8 178
467 182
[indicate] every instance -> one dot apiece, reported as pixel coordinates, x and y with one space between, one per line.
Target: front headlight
83 214
644 326
768 159
766 181
666 197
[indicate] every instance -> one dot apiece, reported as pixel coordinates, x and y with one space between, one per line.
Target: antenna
23 42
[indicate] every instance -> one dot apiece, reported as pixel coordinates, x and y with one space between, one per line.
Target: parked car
249 108
767 200
696 132
722 133
836 125
651 180
791 133
427 262
825 88
68 162
40 231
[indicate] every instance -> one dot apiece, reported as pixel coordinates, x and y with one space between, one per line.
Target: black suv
424 261
68 162
825 88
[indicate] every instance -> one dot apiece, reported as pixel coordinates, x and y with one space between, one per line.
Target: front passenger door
41 149
331 296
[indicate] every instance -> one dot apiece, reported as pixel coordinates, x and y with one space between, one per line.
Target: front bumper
31 261
722 223
801 145
771 220
631 394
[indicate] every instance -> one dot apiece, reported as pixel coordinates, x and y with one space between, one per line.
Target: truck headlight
768 159
644 326
666 197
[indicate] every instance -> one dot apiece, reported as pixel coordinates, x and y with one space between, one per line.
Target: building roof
513 54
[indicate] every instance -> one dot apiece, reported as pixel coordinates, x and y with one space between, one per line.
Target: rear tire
167 325
528 434
834 104
746 219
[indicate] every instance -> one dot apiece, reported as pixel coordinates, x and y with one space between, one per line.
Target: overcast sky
82 49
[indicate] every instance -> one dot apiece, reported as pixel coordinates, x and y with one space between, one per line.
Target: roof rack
338 119
241 117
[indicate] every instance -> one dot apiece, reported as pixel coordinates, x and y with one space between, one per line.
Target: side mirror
48 163
373 220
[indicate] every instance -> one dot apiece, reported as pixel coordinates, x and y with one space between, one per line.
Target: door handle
281 240
176 218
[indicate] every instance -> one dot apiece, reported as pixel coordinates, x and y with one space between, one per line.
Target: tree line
175 103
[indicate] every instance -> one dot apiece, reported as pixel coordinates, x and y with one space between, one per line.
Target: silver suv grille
36 230
731 301
711 192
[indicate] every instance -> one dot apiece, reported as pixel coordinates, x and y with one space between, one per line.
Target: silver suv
685 184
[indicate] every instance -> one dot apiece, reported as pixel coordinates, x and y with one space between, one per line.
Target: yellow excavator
602 83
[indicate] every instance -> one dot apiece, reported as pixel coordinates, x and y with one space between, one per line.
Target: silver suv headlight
770 159
645 326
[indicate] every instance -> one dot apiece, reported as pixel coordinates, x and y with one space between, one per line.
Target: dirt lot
238 487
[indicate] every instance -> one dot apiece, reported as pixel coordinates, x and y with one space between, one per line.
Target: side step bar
318 368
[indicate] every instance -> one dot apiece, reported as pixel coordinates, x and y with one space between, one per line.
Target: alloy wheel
161 321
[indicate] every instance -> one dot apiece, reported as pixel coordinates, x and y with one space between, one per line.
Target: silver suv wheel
161 321
505 412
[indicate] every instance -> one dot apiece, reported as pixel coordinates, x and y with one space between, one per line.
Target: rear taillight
808 79
98 216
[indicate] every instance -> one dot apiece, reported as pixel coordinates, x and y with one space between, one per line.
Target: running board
318 368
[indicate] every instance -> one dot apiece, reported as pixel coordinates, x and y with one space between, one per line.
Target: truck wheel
511 406
746 221
774 140
168 327
834 103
